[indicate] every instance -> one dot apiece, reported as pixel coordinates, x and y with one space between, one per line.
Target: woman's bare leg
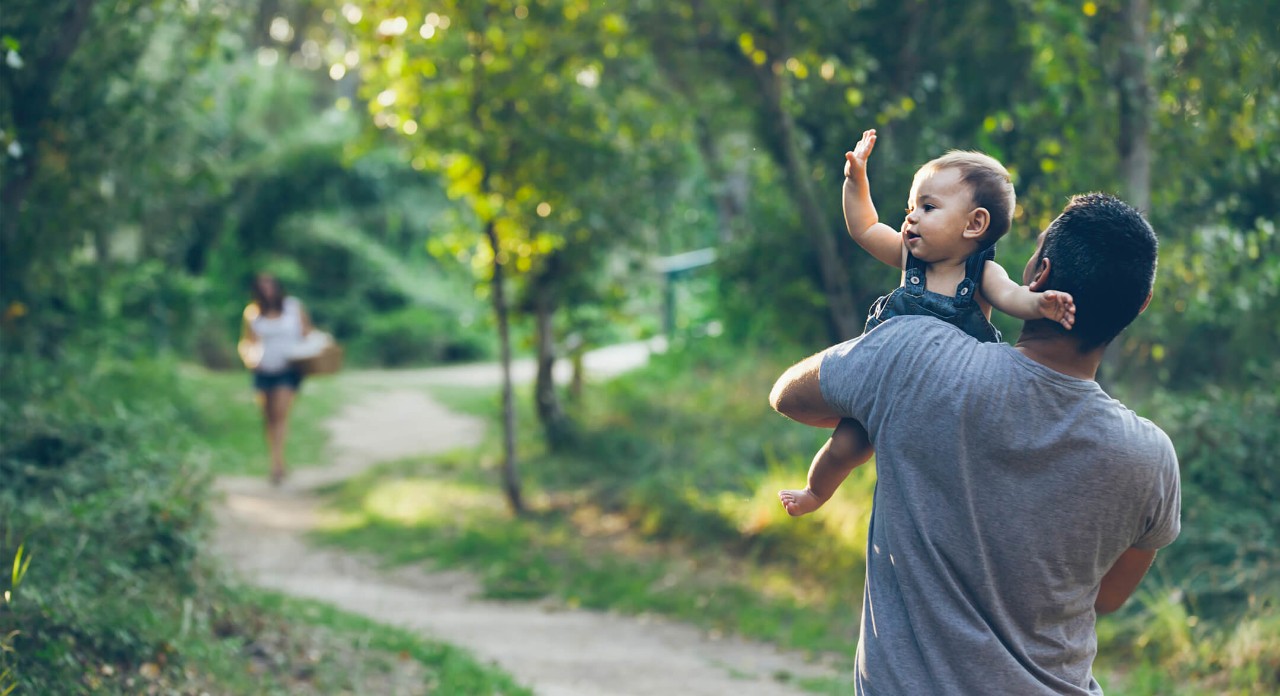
265 402
276 409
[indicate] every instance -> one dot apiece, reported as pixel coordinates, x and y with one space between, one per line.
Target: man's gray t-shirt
1005 491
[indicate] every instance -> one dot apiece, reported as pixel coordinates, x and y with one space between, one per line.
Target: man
1015 500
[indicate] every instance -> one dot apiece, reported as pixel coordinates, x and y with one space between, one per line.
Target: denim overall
961 311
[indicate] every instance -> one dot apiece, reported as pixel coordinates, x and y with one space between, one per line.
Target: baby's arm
879 239
1019 301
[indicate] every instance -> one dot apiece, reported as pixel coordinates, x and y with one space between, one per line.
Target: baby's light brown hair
989 183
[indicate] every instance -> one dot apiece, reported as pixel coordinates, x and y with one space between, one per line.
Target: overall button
964 291
915 280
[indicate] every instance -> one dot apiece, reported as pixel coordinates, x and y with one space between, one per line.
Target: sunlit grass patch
469 400
424 502
1158 646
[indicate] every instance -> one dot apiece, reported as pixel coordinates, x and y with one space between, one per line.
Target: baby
960 204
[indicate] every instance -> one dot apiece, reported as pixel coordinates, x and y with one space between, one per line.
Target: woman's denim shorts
267 381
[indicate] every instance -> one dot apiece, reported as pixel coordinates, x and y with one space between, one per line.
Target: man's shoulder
1138 437
1159 445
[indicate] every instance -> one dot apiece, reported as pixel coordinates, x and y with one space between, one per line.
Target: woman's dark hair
274 302
1103 252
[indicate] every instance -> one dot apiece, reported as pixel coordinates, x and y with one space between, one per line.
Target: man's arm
797 395
877 238
1122 579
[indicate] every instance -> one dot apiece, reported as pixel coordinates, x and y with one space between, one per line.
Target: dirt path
557 651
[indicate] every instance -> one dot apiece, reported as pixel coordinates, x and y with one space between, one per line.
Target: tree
85 113
528 113
752 45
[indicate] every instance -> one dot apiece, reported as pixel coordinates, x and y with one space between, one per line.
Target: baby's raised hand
855 163
1058 306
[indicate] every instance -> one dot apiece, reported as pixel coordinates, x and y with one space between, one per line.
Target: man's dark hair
1103 252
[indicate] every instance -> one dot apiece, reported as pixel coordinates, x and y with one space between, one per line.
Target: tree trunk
1135 128
846 320
730 186
510 477
1135 104
498 287
547 401
575 382
779 135
32 97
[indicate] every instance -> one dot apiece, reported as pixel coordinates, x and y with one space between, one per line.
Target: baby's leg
847 448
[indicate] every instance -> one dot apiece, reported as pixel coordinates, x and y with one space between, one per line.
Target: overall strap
973 275
913 280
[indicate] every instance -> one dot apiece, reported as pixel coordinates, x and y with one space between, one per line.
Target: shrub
99 494
417 336
1228 555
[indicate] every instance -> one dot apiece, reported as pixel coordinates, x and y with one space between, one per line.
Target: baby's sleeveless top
961 311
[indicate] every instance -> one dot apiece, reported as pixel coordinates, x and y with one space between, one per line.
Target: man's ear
979 221
1145 303
1041 277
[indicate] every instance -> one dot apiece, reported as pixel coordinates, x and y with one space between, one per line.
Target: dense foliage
106 571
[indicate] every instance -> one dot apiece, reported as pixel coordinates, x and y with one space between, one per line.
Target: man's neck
1057 351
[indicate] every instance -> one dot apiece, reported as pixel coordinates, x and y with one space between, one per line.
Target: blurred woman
273 324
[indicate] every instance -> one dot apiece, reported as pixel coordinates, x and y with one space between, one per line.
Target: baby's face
938 211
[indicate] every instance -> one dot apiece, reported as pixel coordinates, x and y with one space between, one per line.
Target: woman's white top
277 335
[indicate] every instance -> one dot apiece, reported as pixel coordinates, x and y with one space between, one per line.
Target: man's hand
855 164
1056 305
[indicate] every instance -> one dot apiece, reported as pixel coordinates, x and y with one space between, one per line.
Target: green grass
230 421
449 513
372 649
469 400
239 640
1155 646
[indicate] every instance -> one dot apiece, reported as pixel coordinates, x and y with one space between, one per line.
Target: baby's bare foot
800 502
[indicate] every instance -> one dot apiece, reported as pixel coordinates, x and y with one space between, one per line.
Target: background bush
417 336
102 493
1227 559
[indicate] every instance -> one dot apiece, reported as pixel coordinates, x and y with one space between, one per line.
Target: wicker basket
326 362
319 354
